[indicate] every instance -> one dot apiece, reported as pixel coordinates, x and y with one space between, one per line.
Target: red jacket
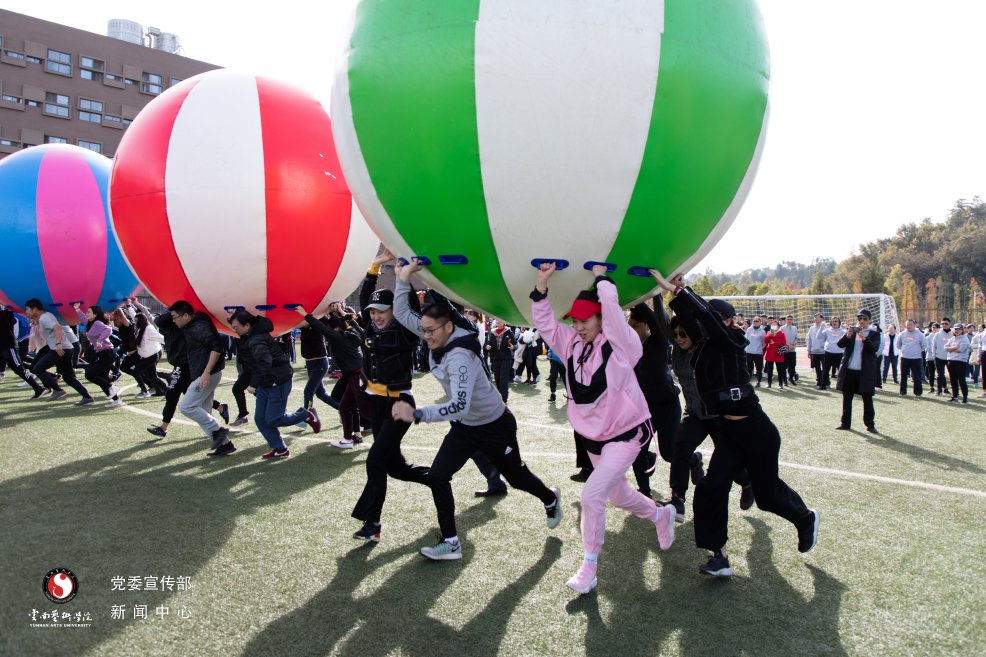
770 344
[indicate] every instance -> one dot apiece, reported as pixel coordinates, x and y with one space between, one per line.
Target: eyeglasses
680 334
430 332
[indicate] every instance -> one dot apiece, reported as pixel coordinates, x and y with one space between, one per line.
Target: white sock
591 557
452 540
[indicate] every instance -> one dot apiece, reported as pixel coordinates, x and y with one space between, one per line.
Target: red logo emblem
60 585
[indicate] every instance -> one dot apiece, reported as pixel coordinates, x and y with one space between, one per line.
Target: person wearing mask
478 419
606 408
815 345
10 354
270 380
833 352
889 353
774 349
755 335
99 329
58 354
790 332
859 373
957 349
747 437
910 345
941 356
500 347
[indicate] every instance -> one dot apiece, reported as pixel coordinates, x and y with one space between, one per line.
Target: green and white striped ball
617 131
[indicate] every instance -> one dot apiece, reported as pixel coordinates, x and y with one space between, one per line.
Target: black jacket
869 374
174 340
652 370
501 346
345 344
718 359
312 342
388 353
263 357
7 324
201 339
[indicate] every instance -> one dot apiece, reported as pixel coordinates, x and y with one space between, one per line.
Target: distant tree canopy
929 268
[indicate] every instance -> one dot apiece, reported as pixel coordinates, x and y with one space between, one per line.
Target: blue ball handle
639 270
560 263
610 267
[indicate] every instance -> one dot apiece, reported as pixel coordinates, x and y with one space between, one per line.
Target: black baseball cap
381 300
723 307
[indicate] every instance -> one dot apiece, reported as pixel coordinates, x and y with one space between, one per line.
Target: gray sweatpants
196 405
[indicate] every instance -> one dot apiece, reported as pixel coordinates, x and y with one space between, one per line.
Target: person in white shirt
889 353
833 352
754 350
815 344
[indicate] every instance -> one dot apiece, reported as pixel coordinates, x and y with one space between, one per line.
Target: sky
877 106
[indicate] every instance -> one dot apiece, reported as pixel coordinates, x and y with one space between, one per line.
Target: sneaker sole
583 591
721 573
561 513
451 556
814 532
367 539
341 446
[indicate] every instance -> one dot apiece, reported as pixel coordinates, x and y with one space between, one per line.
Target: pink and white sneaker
584 580
664 521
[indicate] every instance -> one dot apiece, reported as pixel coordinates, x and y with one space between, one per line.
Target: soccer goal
804 307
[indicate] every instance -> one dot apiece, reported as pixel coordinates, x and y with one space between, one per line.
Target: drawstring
583 357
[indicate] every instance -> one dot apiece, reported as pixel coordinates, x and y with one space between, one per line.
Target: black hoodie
261 354
345 344
201 339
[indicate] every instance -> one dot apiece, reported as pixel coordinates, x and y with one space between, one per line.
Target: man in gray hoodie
479 420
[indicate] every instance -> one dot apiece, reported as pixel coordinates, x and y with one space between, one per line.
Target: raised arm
403 313
558 336
619 334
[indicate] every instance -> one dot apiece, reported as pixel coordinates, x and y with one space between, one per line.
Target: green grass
898 569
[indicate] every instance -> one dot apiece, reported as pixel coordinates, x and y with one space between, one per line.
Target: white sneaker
443 551
555 514
115 403
143 395
342 443
23 384
114 391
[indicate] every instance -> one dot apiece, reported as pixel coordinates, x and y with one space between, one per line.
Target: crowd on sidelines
623 376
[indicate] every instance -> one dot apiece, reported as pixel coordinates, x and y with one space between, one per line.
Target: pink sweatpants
608 481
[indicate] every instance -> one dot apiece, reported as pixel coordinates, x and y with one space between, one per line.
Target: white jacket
150 343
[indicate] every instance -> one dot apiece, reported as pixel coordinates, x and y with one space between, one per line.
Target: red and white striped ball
227 191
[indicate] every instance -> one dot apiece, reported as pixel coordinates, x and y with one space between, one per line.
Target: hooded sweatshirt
260 353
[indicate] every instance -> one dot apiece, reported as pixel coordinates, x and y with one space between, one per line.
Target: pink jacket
622 405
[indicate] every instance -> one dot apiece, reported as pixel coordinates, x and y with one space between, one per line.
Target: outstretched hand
544 273
404 272
600 270
386 256
300 310
676 282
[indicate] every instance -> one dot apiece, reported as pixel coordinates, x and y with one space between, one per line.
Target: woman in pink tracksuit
606 408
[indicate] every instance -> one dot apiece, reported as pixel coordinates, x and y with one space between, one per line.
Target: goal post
804 307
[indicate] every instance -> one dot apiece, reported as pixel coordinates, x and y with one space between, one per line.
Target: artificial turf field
898 569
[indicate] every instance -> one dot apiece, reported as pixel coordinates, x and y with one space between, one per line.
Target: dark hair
437 311
141 322
182 307
946 319
34 303
244 318
100 316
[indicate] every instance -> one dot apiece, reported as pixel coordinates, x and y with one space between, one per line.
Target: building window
90 63
110 118
129 82
59 62
152 84
9 143
110 76
13 55
12 99
90 117
57 105
91 105
174 81
91 145
95 76
32 60
33 103
51 139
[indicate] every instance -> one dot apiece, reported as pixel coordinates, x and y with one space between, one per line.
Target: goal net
804 307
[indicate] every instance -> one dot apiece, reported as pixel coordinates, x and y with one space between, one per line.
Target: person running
478 419
910 346
859 372
747 437
388 363
58 353
606 408
755 335
774 351
270 380
10 354
103 355
957 350
316 355
557 373
149 341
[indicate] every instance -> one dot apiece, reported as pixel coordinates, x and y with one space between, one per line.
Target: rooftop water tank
125 30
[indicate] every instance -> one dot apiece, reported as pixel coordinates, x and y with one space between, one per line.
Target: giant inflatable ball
487 134
227 192
58 242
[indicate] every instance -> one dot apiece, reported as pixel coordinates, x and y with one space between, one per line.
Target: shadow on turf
922 455
396 618
154 508
754 613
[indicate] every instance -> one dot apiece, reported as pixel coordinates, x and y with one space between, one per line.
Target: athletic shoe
665 526
965 401
366 432
115 376
794 382
60 394
551 398
698 472
157 431
357 438
581 475
443 551
808 536
491 492
114 391
223 450
716 566
313 420
746 497
224 412
678 505
146 394
158 393
554 513
370 531
23 384
114 403
584 580
85 401
276 454
240 421
41 393
342 443
872 429
842 427
757 385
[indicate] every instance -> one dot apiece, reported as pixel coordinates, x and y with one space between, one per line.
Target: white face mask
774 327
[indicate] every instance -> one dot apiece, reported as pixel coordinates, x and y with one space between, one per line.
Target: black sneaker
716 566
581 475
698 472
872 429
808 535
842 427
678 504
491 492
551 398
224 412
746 497
38 394
157 431
369 532
223 450
357 438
